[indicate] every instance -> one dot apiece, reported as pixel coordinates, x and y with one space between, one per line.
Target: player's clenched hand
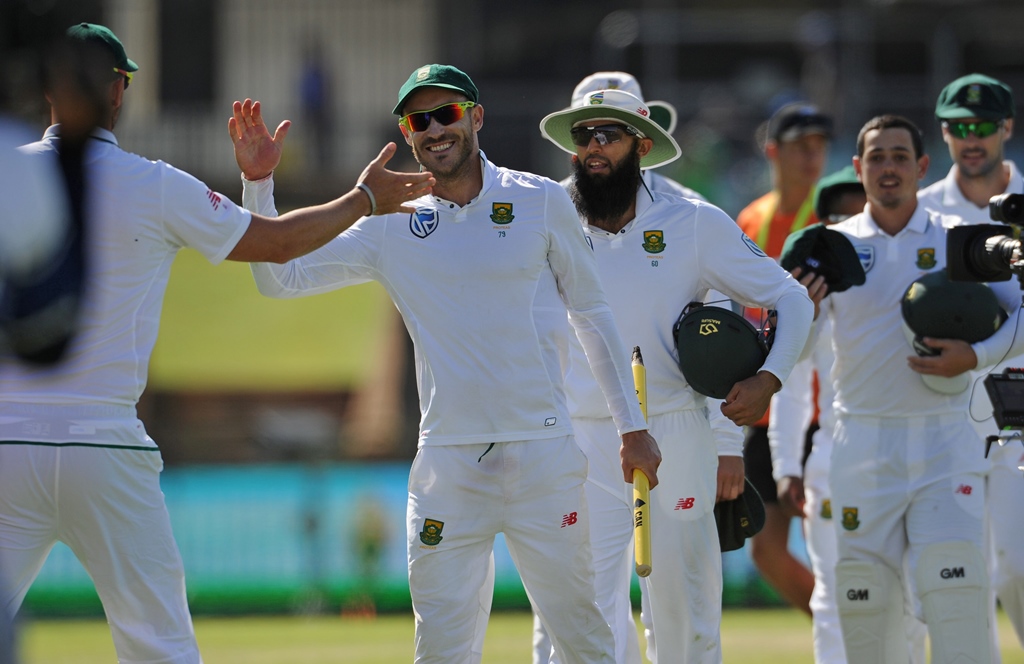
791 496
730 478
390 188
640 450
954 358
748 399
256 151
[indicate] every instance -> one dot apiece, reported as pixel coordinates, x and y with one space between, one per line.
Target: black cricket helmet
717 348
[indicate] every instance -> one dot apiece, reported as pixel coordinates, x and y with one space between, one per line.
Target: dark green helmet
933 306
718 348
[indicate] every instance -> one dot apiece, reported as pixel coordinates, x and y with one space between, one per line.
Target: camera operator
976 113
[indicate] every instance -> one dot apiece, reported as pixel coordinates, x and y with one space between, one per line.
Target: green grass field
766 636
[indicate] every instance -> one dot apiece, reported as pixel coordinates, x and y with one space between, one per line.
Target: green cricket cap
99 34
825 252
438 76
739 518
831 186
975 96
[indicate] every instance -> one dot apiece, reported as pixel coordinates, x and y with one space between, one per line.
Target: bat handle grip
641 522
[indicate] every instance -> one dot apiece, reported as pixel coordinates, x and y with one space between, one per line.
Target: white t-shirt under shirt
483 290
139 214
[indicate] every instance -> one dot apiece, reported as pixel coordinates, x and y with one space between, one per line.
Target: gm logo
857 594
423 222
952 573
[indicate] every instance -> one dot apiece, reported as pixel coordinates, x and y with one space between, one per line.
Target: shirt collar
918 224
489 173
952 196
53 131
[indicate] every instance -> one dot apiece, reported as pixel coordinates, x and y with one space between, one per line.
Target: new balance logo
685 503
214 199
964 489
569 519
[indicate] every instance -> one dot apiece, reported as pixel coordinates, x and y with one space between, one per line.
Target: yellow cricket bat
641 485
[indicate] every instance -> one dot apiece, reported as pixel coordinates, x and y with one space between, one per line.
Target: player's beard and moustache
605 197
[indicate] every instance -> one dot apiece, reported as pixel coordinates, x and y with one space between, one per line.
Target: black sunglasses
605 134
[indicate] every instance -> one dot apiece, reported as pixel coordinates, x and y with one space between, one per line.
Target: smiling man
907 469
657 253
976 113
484 273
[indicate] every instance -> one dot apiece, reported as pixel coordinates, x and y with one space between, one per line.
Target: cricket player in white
76 464
613 551
976 113
907 471
657 253
483 274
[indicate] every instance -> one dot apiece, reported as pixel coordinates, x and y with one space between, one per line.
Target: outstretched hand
390 188
256 151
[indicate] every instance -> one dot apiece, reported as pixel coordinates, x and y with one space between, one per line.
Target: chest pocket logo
423 222
866 254
654 242
926 258
501 213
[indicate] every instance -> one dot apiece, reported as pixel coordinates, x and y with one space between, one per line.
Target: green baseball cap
832 185
438 76
975 96
90 32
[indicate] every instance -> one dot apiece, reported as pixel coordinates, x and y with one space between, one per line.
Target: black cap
795 121
718 348
739 518
825 252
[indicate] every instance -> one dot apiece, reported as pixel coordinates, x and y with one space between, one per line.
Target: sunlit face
602 159
888 169
977 157
447 151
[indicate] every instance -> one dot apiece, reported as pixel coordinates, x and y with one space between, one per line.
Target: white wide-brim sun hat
612 106
662 112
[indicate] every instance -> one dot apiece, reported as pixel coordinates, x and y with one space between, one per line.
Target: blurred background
287 427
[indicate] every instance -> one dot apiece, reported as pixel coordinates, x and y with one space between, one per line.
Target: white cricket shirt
946 198
672 253
871 373
483 290
140 213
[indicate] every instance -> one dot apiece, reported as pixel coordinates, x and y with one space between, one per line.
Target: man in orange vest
795 145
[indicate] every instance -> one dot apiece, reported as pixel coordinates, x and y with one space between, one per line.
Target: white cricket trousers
106 505
609 502
460 497
682 598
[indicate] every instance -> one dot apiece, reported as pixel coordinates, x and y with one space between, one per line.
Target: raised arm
278 240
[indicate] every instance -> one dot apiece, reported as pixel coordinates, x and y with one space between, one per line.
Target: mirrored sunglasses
128 76
982 129
445 114
605 134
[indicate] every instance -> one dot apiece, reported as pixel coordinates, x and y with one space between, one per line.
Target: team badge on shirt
752 245
501 213
850 520
926 258
826 509
866 254
431 533
654 242
423 222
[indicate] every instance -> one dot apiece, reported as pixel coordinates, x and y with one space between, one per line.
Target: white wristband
369 194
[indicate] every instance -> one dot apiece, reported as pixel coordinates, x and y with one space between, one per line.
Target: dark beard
605 198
